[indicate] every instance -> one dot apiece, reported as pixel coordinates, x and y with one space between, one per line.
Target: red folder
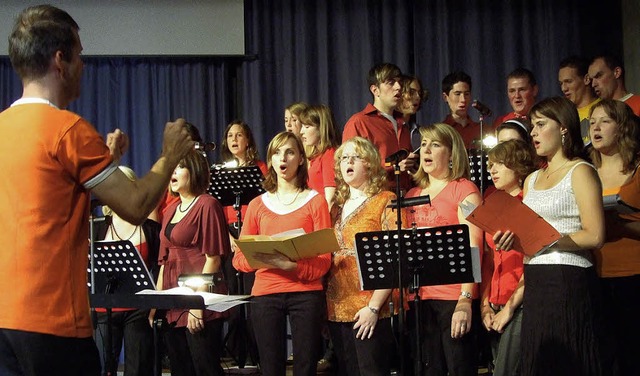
501 211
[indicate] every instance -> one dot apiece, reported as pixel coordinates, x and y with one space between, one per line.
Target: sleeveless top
558 206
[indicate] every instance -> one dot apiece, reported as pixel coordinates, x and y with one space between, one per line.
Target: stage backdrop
320 52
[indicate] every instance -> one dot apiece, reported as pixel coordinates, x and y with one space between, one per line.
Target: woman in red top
447 309
288 287
239 145
510 162
193 239
320 139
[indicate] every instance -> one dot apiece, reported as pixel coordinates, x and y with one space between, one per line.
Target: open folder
294 244
501 211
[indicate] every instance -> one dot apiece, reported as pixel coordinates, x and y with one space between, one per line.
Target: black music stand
237 186
116 267
478 165
432 256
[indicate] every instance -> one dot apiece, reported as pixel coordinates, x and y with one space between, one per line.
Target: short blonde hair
450 138
131 175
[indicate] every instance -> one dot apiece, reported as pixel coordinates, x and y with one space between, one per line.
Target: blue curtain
139 95
321 51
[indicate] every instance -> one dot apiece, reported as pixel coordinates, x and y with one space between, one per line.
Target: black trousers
195 354
368 357
132 327
269 318
35 354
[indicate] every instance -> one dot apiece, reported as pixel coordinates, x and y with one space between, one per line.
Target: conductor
52 159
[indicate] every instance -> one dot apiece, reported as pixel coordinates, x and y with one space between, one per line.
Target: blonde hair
131 175
450 138
376 177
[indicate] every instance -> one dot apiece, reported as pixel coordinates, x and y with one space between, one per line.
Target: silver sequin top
558 206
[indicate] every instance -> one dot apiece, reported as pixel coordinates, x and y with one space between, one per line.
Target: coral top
263 219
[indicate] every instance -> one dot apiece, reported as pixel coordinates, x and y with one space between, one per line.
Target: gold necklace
289 203
554 171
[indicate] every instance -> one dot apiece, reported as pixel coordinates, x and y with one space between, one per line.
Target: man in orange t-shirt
52 159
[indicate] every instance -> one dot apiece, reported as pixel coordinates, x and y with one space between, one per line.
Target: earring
450 164
563 139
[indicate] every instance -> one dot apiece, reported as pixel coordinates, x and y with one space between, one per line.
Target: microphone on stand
413 201
205 146
482 108
397 156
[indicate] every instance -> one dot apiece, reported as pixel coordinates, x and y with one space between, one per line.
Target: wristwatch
465 294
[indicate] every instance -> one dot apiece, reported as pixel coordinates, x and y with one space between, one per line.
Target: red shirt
507 270
511 115
634 102
469 132
321 171
372 125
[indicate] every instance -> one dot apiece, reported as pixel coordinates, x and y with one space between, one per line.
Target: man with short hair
456 92
381 124
52 159
607 78
522 90
575 84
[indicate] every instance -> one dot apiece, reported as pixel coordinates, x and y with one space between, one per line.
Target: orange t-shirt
50 159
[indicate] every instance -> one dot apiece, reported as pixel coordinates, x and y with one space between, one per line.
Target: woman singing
194 237
359 321
447 310
287 287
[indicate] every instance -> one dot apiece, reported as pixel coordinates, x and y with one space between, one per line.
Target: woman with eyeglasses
286 287
447 333
359 321
320 139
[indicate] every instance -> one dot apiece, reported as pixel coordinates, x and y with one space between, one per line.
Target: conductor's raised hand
176 140
118 143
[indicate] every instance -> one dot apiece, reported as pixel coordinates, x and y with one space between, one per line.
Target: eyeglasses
347 158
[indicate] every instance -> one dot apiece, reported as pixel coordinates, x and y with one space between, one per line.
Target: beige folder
295 245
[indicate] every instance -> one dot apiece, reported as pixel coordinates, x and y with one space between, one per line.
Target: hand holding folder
294 244
501 211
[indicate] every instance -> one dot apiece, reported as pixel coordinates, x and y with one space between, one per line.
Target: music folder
295 244
500 212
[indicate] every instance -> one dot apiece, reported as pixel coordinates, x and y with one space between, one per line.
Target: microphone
205 146
397 156
413 201
482 108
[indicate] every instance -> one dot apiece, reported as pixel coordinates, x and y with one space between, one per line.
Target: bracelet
465 294
374 310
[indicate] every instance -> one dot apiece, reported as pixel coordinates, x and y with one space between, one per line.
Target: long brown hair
251 156
270 183
321 117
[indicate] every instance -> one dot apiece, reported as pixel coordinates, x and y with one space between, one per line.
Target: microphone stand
401 318
482 161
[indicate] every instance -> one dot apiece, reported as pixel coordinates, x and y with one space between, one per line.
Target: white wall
146 27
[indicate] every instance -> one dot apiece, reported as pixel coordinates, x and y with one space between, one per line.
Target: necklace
288 203
554 171
188 207
114 232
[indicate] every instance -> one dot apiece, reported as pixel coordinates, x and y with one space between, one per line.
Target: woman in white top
562 326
